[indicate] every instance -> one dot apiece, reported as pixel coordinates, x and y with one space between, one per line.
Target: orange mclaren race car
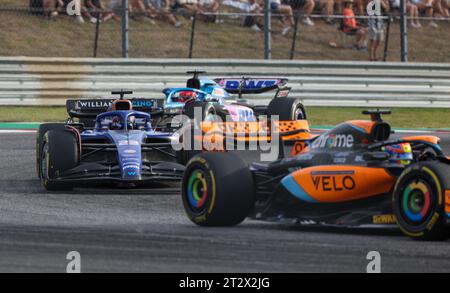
353 175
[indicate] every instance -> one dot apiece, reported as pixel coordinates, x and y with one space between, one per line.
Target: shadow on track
33 186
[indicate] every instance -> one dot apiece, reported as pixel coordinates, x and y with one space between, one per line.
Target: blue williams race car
118 146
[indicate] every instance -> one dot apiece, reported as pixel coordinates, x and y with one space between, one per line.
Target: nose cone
130 159
129 154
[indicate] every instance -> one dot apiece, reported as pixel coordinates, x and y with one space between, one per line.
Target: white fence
50 81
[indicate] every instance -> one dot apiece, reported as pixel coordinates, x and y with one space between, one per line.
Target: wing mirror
376 156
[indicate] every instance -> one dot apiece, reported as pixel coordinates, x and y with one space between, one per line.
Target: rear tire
207 110
59 153
288 109
187 152
419 201
208 113
218 190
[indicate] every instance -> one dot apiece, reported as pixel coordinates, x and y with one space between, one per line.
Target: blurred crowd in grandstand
167 10
352 19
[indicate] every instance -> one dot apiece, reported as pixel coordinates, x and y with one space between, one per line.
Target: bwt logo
250 84
74 8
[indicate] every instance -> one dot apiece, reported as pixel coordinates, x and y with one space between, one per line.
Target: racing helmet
399 153
116 123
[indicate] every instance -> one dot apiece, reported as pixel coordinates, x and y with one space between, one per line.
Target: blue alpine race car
216 100
113 142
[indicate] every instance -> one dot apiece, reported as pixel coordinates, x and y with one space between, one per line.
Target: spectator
446 8
326 7
252 6
440 7
338 6
286 11
350 26
427 6
83 10
361 7
256 21
139 6
49 7
189 7
412 10
307 6
113 11
209 6
93 9
376 31
161 10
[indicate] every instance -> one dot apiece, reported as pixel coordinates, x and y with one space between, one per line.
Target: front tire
218 190
419 201
43 129
59 153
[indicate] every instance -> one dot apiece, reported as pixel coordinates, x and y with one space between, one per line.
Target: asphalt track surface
121 230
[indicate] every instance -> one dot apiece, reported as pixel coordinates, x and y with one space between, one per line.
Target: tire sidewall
62 154
207 108
433 226
43 129
285 108
199 218
230 185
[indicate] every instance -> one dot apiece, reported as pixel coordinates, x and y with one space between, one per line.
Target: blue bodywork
219 90
130 136
209 91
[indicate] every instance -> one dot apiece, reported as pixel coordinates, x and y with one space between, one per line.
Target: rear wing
251 85
92 107
88 109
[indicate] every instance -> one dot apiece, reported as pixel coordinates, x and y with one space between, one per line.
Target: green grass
401 118
32 114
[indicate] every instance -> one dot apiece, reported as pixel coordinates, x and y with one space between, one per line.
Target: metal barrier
50 81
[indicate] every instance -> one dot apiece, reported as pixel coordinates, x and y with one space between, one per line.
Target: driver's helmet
116 123
184 96
399 153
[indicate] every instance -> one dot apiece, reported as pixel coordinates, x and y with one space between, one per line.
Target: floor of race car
146 231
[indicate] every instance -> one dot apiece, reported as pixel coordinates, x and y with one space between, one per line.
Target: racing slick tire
187 152
218 190
419 201
208 113
43 128
59 153
288 109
